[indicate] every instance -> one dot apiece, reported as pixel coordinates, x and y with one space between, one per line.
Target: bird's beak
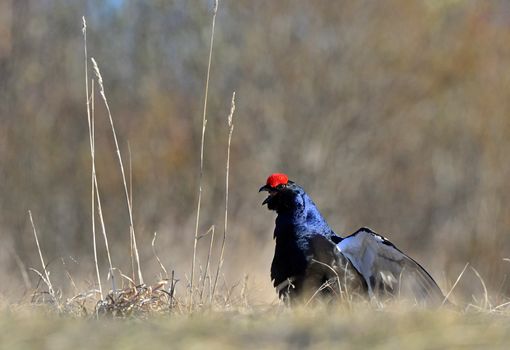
267 199
268 189
264 188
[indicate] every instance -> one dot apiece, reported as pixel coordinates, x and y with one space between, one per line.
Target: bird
311 259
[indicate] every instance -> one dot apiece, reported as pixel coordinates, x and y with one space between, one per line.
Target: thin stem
485 292
157 257
207 270
46 274
103 229
454 285
131 242
227 168
92 151
204 123
119 156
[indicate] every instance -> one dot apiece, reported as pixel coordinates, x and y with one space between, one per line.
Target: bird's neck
302 220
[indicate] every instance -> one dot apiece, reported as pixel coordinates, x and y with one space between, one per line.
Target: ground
325 327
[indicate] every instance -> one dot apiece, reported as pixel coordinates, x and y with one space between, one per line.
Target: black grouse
310 259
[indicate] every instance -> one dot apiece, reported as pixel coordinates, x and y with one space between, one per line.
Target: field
316 328
136 134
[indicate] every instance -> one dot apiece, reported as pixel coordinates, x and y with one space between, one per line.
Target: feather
387 271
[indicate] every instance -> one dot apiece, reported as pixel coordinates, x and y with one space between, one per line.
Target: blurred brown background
393 115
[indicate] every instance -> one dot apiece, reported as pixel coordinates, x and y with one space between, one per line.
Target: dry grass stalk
121 165
173 283
502 306
71 279
96 190
103 230
327 284
324 286
486 303
129 279
157 257
200 180
207 271
91 141
230 124
244 289
454 285
46 277
131 245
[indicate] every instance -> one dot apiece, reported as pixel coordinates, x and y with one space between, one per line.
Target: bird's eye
280 187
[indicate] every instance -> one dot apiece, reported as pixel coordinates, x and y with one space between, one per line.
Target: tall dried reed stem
119 157
91 141
98 196
230 124
204 123
131 246
46 277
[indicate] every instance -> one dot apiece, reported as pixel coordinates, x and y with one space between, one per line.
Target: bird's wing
388 271
327 263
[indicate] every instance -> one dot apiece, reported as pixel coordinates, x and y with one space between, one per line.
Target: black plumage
310 259
306 261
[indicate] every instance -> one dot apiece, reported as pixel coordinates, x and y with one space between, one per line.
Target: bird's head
282 192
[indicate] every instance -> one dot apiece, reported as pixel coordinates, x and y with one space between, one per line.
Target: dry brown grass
320 327
139 299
